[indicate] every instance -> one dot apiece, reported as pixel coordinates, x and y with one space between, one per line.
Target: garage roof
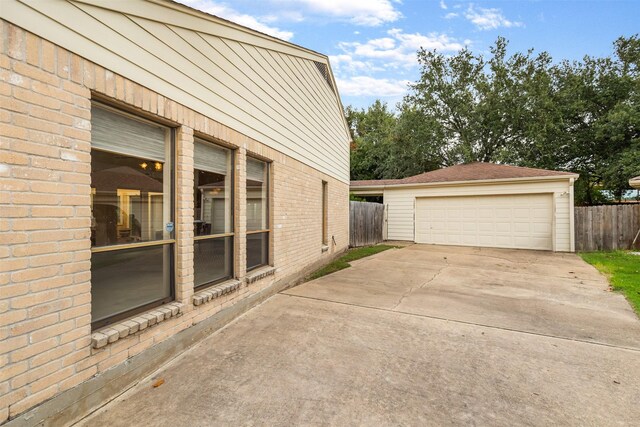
477 171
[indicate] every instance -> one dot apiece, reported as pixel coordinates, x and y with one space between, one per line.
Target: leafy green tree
522 109
372 134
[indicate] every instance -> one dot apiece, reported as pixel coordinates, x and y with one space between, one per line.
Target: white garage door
510 221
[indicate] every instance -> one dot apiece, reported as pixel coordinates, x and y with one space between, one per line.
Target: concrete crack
419 285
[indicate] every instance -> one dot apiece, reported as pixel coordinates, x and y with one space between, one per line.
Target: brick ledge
209 294
113 333
260 273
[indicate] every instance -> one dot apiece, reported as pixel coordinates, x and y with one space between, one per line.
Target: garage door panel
506 221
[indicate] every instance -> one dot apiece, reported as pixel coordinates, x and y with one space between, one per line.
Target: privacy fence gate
366 223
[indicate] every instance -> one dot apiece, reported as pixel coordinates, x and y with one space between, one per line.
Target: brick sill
260 273
210 294
113 333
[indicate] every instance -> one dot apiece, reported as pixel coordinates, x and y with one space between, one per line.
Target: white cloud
443 5
489 19
399 49
451 15
224 11
370 86
359 12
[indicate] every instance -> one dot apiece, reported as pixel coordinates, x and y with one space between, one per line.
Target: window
257 213
131 215
213 217
325 239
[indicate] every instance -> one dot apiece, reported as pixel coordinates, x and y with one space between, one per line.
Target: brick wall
45 288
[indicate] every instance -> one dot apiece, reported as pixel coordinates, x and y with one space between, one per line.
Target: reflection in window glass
126 279
213 260
131 215
257 208
127 199
257 250
257 213
213 210
213 200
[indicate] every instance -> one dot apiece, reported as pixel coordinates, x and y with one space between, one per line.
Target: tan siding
400 203
223 72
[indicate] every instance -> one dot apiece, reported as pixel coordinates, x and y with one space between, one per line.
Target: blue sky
372 43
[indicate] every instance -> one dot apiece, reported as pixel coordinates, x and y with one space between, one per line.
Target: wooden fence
366 223
607 228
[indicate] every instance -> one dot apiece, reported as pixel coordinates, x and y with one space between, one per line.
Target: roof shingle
477 171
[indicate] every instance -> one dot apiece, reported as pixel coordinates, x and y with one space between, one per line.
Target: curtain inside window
121 134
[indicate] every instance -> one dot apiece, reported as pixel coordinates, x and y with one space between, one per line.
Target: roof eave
467 182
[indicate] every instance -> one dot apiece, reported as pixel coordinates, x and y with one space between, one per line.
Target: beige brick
52 211
34 273
36 98
32 349
13 370
49 307
48 59
16 42
11 238
32 299
33 49
35 73
54 354
12 131
13 211
12 104
34 249
13 185
34 374
13 264
36 224
37 149
32 400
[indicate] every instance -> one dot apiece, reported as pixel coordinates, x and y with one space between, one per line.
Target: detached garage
479 204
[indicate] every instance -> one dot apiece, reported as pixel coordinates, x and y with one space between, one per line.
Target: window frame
267 231
170 140
232 234
325 213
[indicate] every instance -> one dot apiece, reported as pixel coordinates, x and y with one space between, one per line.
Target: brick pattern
113 333
217 291
46 342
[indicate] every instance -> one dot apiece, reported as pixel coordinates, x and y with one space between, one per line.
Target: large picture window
131 215
257 213
213 218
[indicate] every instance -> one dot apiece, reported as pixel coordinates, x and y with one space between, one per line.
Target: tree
372 133
599 100
522 109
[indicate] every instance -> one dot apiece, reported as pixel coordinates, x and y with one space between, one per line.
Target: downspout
572 218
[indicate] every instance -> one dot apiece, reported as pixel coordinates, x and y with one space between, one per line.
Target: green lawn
350 255
623 270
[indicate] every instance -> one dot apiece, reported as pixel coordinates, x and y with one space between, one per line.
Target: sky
372 44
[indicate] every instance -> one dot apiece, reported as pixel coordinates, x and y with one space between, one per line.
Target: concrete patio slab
459 346
531 291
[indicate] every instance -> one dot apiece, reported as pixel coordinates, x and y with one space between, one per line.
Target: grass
351 255
623 270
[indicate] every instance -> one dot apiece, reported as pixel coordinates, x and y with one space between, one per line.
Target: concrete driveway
424 335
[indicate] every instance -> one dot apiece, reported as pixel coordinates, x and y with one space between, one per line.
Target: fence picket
606 227
366 221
